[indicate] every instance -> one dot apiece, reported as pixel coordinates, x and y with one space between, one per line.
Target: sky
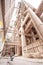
34 3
